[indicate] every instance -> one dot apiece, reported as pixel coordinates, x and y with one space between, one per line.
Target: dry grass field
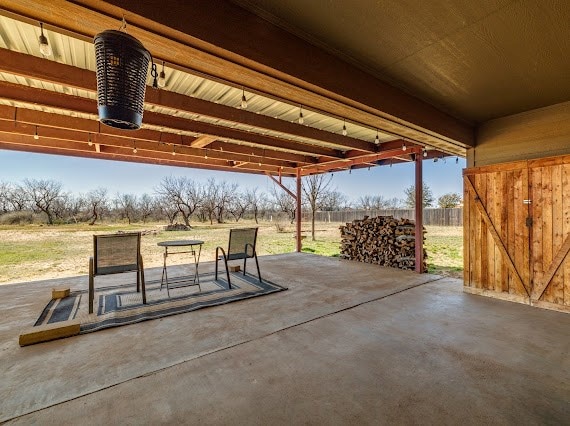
35 252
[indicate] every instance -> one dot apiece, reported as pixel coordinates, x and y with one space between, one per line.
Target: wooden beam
82 149
493 231
554 266
419 216
283 187
298 213
28 66
202 141
159 120
343 89
354 161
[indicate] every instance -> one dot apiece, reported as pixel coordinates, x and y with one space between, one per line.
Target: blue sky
81 175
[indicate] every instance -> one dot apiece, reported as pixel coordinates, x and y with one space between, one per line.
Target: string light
206 155
89 141
377 140
162 77
425 152
134 147
243 100
301 119
344 132
45 48
404 147
36 136
173 150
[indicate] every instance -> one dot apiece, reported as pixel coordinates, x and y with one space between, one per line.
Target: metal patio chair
241 246
114 254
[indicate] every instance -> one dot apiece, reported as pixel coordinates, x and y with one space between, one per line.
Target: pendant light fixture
425 152
377 140
162 78
344 131
36 135
243 99
301 119
404 147
45 48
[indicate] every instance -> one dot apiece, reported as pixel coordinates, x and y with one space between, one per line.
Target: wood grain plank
520 244
557 284
536 230
466 236
490 207
566 227
482 192
547 229
504 220
477 239
526 231
511 248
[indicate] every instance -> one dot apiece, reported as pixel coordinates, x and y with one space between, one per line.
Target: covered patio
391 347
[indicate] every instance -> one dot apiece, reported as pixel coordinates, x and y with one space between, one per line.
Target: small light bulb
36 136
301 119
344 132
243 100
45 48
377 140
425 153
134 151
206 157
89 141
161 79
404 147
173 151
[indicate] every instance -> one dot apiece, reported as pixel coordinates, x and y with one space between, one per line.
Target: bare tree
96 203
168 209
372 202
333 200
210 196
43 195
68 207
5 188
226 194
238 206
182 192
316 189
284 202
146 206
18 198
256 202
126 205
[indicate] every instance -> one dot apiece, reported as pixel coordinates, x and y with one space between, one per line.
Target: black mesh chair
114 254
241 246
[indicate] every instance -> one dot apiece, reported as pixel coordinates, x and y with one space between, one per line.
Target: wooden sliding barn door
496 235
517 232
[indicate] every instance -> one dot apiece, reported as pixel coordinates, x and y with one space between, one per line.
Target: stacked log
381 240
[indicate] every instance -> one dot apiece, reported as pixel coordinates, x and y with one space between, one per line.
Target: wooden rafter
42 69
202 141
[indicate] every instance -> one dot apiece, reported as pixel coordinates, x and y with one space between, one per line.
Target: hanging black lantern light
122 66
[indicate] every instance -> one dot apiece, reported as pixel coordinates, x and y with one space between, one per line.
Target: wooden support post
419 216
298 211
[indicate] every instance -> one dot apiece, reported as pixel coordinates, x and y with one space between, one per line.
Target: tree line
183 199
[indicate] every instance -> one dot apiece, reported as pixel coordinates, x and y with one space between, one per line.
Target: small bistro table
195 248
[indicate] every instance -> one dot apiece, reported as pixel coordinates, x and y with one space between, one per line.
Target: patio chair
241 246
114 254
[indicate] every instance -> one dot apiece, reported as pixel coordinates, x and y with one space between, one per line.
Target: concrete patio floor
348 343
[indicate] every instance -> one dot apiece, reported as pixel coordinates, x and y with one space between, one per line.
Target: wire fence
434 217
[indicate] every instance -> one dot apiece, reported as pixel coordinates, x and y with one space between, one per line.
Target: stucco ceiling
477 60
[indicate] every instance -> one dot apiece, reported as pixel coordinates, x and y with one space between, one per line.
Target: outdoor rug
121 304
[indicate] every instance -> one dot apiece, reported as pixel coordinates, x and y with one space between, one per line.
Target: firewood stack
382 240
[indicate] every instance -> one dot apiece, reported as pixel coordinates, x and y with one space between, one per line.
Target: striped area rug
121 304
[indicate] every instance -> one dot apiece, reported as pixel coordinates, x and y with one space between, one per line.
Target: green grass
33 252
